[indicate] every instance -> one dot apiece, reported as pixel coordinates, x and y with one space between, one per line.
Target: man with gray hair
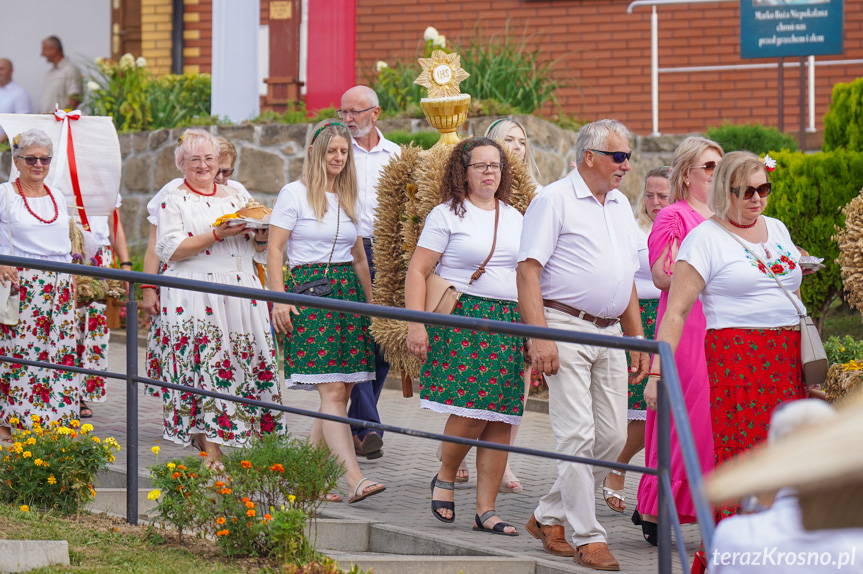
372 151
577 262
13 98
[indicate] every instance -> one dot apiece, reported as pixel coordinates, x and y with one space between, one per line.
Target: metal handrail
669 401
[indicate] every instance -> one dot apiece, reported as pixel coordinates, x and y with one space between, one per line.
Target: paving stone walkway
407 467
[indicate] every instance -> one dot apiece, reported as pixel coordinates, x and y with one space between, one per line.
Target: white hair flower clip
769 162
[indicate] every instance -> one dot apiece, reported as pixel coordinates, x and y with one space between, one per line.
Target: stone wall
270 156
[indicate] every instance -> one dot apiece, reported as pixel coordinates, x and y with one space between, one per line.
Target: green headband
322 128
494 123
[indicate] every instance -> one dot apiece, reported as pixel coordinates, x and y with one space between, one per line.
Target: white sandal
609 493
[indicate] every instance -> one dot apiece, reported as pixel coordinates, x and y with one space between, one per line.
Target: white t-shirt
737 292
369 165
464 244
153 205
312 240
100 225
643 277
31 237
13 100
588 250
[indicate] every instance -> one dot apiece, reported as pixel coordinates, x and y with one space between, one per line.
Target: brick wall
156 34
197 36
605 53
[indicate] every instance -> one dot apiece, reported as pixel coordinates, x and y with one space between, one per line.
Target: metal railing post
131 407
663 465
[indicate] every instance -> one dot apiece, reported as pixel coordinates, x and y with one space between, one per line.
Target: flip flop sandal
362 494
496 529
442 504
609 493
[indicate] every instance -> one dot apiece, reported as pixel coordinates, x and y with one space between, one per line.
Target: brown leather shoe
596 555
553 537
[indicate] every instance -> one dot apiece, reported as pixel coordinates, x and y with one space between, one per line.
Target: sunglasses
707 167
227 172
762 190
616 156
31 160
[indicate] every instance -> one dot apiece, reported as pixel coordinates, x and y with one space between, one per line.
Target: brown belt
564 308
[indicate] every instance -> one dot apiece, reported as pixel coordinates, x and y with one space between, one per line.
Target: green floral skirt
327 346
636 409
475 374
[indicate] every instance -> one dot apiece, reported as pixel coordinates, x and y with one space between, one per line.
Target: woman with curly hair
477 378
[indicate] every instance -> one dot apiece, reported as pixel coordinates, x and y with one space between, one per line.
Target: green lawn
104 544
842 320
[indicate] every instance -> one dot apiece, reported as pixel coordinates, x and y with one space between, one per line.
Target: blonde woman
315 220
652 199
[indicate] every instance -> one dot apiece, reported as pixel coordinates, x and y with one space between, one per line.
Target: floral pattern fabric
45 332
212 342
751 372
637 410
328 346
779 266
92 339
475 374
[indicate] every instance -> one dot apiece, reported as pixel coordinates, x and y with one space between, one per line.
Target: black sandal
648 529
496 529
442 504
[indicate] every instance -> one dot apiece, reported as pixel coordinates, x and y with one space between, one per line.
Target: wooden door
125 28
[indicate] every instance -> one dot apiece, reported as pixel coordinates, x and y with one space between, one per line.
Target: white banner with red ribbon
87 165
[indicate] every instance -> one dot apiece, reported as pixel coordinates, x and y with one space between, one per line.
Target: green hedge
809 192
424 139
751 137
843 122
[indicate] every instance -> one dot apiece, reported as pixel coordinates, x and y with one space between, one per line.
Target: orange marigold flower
245 464
245 499
225 491
181 467
268 517
176 475
219 484
277 468
224 532
220 520
250 513
250 504
202 453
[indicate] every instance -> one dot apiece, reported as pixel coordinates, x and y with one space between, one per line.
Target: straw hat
823 462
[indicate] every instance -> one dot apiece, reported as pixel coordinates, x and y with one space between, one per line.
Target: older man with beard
372 151
577 261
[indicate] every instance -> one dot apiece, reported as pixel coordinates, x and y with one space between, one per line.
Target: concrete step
423 564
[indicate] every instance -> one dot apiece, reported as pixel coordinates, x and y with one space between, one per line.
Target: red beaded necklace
201 192
741 226
53 201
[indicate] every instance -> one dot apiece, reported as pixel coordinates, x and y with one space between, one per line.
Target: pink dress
673 224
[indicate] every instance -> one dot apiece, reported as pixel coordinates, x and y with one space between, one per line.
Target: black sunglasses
708 168
31 160
227 172
762 190
616 156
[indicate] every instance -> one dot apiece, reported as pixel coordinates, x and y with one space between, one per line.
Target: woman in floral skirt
476 378
315 218
212 342
35 219
753 329
653 198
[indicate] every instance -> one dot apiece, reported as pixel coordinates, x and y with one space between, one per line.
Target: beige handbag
813 357
441 295
10 303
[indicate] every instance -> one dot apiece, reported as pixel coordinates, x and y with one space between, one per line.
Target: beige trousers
587 408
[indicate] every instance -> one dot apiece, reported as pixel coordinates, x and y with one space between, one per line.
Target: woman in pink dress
691 174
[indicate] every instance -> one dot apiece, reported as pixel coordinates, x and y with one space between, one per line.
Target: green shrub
751 137
843 350
809 191
425 139
396 89
52 466
295 113
843 122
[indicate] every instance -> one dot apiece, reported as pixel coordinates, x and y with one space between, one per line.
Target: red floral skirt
751 372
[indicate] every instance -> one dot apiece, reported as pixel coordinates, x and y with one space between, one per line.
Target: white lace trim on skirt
632 415
470 413
308 382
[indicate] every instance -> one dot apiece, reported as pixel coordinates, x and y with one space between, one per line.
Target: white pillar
235 59
811 127
654 69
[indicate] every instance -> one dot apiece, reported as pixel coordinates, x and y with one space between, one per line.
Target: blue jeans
364 397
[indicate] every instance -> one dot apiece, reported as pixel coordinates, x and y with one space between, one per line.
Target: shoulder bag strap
481 269
766 267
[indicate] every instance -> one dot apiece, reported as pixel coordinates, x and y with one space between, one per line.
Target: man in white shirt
372 151
13 98
577 262
63 85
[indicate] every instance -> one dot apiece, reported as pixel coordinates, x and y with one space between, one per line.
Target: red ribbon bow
64 116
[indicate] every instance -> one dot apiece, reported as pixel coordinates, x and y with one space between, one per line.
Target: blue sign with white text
782 28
